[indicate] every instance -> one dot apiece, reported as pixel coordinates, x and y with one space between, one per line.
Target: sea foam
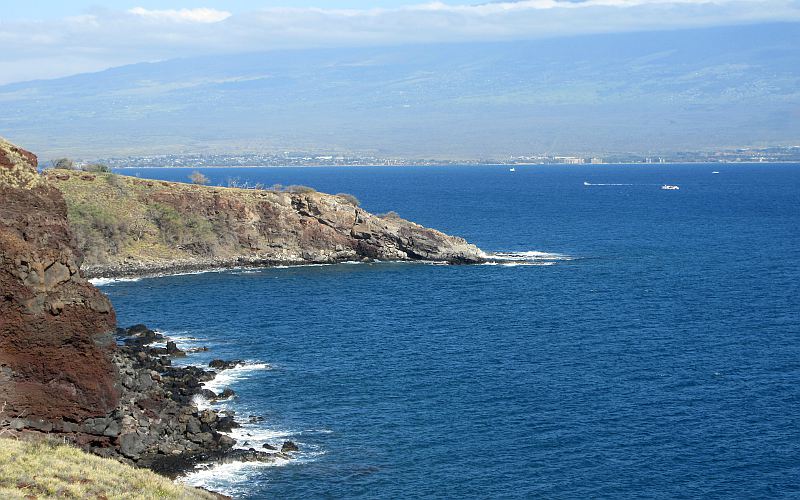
231 478
110 281
525 258
227 377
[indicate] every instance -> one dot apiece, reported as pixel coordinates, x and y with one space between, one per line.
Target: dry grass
49 470
115 217
20 174
119 219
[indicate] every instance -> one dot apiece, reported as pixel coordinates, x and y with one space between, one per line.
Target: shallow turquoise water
658 358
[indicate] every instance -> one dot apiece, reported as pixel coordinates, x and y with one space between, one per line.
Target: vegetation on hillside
114 215
198 177
46 469
68 164
349 198
64 164
118 218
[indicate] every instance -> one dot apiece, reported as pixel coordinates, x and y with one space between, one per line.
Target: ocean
637 342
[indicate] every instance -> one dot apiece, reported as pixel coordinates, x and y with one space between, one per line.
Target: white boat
512 169
715 172
670 187
586 183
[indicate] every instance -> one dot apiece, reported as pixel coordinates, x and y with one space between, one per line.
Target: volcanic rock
289 446
219 364
55 328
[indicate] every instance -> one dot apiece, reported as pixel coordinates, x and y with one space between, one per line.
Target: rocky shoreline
176 435
143 269
156 423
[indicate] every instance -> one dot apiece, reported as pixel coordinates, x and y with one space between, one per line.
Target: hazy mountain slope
640 91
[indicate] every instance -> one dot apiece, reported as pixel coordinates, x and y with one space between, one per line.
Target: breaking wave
231 479
110 281
227 377
607 184
527 258
234 478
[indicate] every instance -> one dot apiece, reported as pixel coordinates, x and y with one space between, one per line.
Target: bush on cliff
349 198
187 231
298 189
97 230
198 178
96 168
46 469
64 164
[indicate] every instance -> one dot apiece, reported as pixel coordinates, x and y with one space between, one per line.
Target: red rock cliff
55 327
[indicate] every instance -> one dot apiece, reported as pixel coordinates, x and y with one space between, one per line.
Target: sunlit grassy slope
48 470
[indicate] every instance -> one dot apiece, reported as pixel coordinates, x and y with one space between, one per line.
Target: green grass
50 470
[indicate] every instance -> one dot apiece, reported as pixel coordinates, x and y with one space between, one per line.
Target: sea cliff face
66 370
127 225
55 328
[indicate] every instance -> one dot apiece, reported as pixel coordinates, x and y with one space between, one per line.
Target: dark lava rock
268 446
131 445
226 393
289 446
172 350
219 364
250 455
139 335
138 330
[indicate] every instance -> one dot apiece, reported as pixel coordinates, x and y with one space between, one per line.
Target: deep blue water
662 360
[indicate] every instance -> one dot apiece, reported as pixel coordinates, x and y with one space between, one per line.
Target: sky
51 38
49 9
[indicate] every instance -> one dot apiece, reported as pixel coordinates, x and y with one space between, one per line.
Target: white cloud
201 15
106 38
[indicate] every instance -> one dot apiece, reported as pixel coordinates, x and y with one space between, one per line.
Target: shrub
389 215
349 198
187 231
198 178
298 189
117 183
97 168
97 228
64 163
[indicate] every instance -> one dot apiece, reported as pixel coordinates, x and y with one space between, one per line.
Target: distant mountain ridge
689 89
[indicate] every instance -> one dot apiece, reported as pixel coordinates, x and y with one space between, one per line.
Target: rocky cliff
62 371
55 328
127 225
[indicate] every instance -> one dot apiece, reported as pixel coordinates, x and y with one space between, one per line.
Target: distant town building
595 160
570 160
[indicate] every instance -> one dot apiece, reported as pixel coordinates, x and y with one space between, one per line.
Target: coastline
167 419
135 270
467 165
189 429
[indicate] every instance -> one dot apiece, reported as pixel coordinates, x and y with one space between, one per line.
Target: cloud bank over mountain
104 38
646 91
